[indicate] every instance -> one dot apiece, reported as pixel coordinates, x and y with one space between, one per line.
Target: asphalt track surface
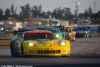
85 53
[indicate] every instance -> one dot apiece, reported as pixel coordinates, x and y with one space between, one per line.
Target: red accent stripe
38 32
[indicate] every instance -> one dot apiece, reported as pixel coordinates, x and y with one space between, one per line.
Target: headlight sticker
30 44
62 43
57 35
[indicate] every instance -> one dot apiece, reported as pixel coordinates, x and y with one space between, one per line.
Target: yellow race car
39 43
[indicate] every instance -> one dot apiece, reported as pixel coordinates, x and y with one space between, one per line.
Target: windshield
39 36
20 33
67 30
41 28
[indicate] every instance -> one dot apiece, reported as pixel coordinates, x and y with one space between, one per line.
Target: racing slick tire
12 49
22 52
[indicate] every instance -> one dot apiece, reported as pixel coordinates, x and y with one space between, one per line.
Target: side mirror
59 38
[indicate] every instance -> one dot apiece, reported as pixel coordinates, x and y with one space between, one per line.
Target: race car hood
43 42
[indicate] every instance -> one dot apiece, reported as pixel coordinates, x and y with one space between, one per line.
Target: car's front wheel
12 50
22 51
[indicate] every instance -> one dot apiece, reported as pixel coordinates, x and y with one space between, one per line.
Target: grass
4 42
5 37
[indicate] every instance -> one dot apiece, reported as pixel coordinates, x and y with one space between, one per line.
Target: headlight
2 29
63 43
57 35
69 34
30 44
85 31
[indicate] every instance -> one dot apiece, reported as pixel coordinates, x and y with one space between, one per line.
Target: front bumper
47 52
79 34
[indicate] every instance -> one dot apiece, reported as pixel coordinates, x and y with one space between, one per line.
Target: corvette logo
48 45
49 48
